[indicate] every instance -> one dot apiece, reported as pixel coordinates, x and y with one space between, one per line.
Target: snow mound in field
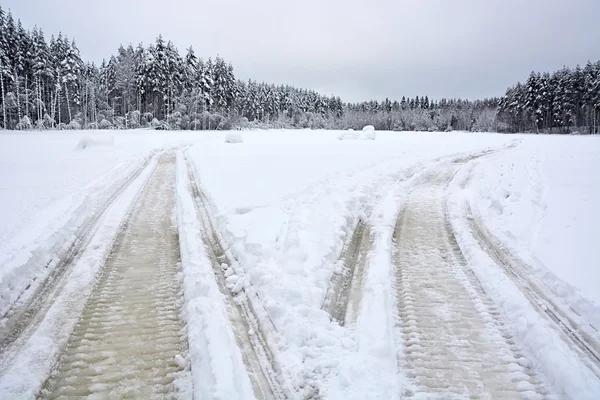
350 134
87 142
368 132
234 137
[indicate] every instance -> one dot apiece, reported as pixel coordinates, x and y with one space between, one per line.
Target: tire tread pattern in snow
343 296
22 318
131 332
584 344
248 329
455 345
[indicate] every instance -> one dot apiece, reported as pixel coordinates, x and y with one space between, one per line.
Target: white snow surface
530 197
287 225
234 137
218 371
49 189
286 202
541 200
25 368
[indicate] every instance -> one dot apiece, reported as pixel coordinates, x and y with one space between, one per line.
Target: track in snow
248 329
579 336
127 339
454 341
21 319
345 289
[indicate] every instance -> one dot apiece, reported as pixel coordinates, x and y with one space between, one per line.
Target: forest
45 84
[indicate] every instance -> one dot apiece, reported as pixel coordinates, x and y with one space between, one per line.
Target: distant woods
46 85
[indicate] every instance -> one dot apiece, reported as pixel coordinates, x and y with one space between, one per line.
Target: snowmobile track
455 344
343 296
586 346
26 311
130 334
249 330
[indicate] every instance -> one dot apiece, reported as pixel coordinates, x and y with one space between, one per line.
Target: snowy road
130 333
455 344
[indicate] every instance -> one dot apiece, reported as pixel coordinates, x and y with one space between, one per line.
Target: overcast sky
357 49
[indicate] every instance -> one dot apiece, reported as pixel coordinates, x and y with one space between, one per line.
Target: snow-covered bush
105 124
74 125
159 125
47 121
24 124
133 119
234 137
119 122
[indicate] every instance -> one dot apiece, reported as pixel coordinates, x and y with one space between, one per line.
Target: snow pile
98 141
368 132
217 367
350 134
234 137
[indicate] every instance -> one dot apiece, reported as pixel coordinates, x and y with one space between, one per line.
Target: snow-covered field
285 204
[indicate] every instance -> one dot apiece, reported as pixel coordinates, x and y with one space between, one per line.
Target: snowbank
234 137
217 367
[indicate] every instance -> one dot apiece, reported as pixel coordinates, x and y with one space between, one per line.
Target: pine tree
4 65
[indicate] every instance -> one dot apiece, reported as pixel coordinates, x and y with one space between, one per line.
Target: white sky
357 49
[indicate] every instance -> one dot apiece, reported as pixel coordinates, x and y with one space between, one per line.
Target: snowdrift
87 142
368 132
234 137
350 134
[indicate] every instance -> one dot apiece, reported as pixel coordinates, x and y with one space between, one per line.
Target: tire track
249 330
343 296
455 342
579 338
130 336
27 310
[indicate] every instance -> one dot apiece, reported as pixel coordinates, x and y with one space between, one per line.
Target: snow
22 374
531 197
368 132
287 226
285 203
50 190
217 367
233 137
349 135
87 141
541 200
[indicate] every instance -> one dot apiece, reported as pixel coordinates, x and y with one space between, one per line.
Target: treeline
46 85
567 100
